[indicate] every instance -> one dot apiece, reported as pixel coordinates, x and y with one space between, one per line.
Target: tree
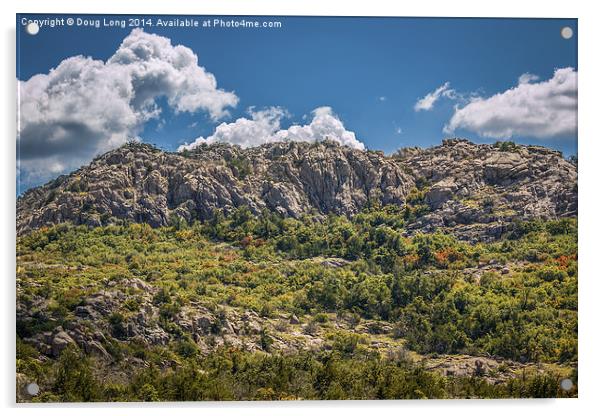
74 379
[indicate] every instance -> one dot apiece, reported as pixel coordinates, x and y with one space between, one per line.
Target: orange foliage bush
447 256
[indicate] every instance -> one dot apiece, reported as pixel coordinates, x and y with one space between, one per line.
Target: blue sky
370 71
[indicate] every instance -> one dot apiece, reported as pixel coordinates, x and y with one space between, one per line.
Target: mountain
475 191
339 288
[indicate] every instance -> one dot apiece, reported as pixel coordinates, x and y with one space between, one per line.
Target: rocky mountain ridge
475 191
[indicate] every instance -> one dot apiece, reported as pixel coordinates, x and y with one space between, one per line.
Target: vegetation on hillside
515 298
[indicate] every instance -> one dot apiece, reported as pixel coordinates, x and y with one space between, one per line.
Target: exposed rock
228 328
441 192
103 303
478 191
142 184
60 341
505 168
334 262
140 285
474 191
85 312
41 342
95 348
251 323
204 323
471 366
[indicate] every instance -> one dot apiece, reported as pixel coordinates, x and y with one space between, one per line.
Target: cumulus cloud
526 78
264 127
324 125
427 102
545 109
85 106
259 129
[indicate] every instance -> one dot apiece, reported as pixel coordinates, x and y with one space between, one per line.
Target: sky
369 83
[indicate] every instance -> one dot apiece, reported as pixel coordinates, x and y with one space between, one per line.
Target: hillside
474 190
300 271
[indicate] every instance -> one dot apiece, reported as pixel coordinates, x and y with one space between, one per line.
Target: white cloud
382 98
527 78
542 110
264 127
427 102
324 125
84 106
245 132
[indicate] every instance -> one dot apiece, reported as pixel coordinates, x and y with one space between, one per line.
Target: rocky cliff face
142 184
470 189
481 189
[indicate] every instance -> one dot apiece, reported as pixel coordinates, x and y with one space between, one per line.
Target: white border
590 374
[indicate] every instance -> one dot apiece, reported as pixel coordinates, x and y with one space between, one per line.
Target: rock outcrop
475 191
139 183
479 190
